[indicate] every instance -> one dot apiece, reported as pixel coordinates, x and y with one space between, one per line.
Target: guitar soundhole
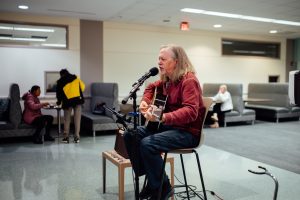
159 104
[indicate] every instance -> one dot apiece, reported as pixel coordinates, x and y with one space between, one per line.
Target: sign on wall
51 78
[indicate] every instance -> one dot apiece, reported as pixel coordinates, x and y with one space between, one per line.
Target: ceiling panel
155 11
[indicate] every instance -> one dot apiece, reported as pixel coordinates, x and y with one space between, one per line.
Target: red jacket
184 108
32 107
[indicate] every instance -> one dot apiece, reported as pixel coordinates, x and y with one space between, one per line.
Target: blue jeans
145 147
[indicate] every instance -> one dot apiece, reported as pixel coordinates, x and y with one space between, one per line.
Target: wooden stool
122 163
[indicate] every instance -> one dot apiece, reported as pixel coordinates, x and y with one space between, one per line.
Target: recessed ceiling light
34 29
27 29
238 16
54 45
217 25
23 39
273 31
6 27
23 7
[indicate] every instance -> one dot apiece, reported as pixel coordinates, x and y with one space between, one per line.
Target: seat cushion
98 119
248 112
232 113
23 125
295 109
265 107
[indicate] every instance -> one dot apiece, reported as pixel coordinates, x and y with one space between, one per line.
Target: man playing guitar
179 124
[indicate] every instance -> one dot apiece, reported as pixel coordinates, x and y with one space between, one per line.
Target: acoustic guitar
158 105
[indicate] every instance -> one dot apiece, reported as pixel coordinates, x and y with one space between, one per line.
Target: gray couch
278 105
239 113
11 123
101 93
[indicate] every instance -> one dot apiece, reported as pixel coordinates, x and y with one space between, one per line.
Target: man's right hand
143 107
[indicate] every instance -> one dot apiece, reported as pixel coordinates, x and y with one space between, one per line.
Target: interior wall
91 52
131 50
27 66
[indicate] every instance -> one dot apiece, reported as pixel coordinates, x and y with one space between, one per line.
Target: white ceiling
154 12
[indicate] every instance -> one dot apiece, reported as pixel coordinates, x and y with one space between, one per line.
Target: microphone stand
120 118
132 94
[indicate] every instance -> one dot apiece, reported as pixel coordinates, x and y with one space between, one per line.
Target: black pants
221 115
41 122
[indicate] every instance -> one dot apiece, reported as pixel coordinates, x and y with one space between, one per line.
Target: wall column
91 53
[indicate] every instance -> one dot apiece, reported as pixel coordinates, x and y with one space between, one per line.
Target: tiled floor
73 171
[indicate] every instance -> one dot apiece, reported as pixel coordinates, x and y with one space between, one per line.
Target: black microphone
152 72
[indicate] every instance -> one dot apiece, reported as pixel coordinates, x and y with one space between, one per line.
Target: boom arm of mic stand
141 80
120 118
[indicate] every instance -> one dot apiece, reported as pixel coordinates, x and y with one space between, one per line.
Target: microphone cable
192 190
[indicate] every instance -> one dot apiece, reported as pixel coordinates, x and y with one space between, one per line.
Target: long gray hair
183 65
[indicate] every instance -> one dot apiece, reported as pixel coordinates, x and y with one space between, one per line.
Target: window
33 35
250 48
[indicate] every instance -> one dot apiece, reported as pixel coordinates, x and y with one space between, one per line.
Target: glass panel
250 48
33 35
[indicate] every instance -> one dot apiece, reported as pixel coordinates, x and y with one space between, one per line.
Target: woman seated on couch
32 115
223 104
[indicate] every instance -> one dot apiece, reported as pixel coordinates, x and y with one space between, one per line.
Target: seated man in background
32 115
223 104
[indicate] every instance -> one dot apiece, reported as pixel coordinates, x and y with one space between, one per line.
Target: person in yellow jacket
69 95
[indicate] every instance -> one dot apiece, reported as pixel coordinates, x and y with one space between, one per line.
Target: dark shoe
166 193
76 140
49 138
65 140
146 192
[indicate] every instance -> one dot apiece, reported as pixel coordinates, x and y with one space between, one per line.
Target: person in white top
223 104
